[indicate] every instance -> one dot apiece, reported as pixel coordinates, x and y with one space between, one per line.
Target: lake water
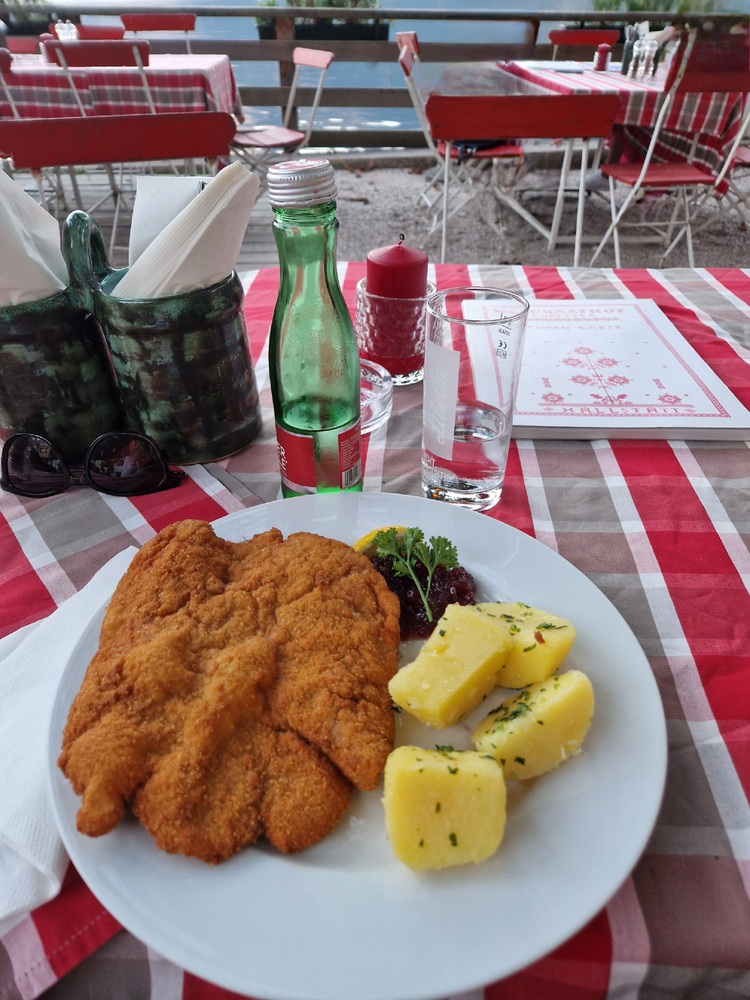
380 75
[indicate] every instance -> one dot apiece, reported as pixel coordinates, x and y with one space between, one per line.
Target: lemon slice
366 545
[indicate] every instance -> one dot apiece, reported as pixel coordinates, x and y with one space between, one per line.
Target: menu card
615 368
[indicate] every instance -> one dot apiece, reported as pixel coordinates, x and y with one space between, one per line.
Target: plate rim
227 978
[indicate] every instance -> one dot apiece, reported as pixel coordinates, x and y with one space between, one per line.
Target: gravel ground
376 203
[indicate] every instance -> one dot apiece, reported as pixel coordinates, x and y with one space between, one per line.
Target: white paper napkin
33 266
159 199
32 858
200 247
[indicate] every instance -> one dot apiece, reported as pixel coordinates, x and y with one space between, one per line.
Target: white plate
344 919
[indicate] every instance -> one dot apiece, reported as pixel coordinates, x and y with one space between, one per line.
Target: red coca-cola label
297 459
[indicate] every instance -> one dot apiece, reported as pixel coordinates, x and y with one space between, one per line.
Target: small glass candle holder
376 395
390 332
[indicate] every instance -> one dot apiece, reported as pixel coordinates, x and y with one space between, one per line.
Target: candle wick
401 239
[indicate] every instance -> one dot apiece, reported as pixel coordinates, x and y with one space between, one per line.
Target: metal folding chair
38 143
167 22
470 159
707 62
93 32
570 117
260 146
100 52
77 54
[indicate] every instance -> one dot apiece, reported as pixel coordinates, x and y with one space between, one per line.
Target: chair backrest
184 23
22 44
409 40
36 143
89 32
317 59
100 52
579 37
532 116
407 60
97 52
707 62
711 61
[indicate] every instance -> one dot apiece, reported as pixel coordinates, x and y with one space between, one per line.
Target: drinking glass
473 351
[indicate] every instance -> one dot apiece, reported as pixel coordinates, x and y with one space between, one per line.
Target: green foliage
655 6
345 4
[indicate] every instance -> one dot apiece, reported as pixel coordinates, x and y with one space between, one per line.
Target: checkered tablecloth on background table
715 118
661 527
178 82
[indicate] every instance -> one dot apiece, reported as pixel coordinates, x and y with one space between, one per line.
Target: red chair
22 44
184 23
582 37
93 32
263 145
469 162
99 52
570 117
706 62
38 143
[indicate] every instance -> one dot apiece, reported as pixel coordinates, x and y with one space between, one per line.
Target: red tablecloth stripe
77 910
25 598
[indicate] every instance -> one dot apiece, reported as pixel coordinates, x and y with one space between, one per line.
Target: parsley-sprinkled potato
541 641
455 669
443 807
537 729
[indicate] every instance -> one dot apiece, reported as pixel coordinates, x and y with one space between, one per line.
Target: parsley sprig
409 550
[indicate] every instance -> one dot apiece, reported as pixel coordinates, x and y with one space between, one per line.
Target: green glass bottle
313 355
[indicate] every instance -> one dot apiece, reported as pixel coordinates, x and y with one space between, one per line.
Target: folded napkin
32 857
201 245
159 199
33 266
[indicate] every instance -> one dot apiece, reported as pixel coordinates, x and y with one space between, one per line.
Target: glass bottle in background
313 355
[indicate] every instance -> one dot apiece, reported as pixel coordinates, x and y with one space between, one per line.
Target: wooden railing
246 47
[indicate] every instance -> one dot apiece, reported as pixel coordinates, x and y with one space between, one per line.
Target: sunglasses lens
125 464
34 466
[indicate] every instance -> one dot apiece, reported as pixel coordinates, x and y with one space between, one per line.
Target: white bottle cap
301 183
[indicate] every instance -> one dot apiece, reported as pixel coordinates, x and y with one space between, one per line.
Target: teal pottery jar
56 378
182 362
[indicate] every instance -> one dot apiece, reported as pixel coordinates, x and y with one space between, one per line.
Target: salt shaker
602 57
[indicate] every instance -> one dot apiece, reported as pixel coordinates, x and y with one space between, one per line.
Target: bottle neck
306 240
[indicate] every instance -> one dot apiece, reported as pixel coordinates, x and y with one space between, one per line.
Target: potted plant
26 17
328 28
648 7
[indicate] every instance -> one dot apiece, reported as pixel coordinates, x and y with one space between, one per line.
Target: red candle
397 272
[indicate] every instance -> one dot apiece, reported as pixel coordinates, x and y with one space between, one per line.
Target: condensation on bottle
313 354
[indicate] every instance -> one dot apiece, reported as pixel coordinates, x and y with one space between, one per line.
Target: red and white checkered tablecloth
661 527
714 117
178 82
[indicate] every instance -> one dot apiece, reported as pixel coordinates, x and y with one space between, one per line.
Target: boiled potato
443 807
541 641
540 727
456 668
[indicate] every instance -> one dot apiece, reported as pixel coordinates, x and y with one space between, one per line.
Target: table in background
178 82
661 527
714 117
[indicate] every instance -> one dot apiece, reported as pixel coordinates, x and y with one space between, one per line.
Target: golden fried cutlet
239 690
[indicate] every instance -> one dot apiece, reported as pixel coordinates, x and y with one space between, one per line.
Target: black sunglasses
121 463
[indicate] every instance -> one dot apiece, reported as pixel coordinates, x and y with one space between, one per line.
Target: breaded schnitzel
239 690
